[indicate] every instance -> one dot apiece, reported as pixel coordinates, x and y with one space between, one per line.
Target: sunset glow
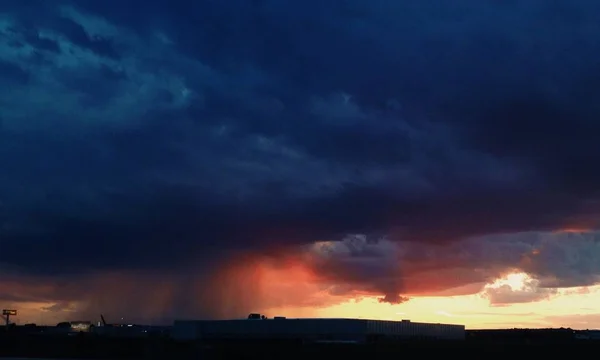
576 308
516 281
284 284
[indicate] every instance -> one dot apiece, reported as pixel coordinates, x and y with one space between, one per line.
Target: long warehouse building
313 330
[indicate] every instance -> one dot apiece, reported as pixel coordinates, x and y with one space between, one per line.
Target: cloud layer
168 138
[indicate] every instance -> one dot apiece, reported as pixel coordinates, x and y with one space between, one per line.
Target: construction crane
103 320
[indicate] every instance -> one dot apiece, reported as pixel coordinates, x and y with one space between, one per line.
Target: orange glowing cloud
315 277
573 230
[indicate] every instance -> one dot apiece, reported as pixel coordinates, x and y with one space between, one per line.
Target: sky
431 160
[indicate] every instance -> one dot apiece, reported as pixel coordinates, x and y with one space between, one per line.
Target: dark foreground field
94 347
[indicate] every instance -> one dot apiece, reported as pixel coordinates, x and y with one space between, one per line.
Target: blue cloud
156 133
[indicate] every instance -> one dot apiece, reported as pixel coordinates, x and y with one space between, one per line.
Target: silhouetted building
313 330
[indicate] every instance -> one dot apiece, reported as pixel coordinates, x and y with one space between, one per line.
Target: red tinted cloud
320 275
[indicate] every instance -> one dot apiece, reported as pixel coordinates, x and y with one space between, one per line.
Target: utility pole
7 314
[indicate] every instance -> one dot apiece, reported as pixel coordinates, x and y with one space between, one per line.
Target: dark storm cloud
390 268
163 133
11 72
